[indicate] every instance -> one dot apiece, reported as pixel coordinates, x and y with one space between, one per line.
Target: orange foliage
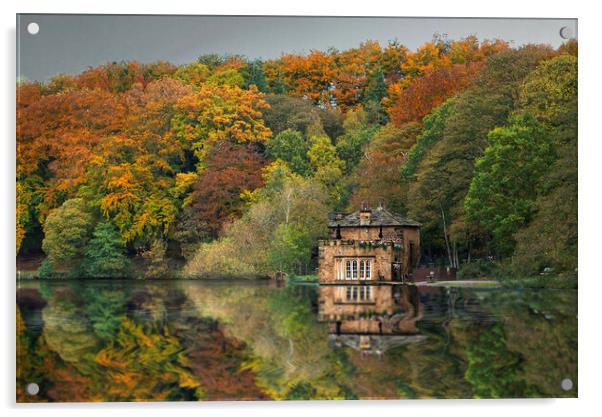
120 77
429 91
434 72
353 68
309 76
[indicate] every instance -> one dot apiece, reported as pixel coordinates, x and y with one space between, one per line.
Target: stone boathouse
369 246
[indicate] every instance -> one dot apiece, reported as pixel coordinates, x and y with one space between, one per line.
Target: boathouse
369 245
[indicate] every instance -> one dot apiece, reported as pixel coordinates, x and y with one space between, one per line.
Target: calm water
171 341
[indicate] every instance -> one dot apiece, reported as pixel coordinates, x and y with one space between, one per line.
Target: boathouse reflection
371 318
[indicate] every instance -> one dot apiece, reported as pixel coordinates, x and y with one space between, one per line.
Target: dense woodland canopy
230 165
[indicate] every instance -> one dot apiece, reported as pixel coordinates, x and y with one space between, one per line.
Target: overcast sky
71 43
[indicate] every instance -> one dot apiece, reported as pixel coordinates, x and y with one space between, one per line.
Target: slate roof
380 217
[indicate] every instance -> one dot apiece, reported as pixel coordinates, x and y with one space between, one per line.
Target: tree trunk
456 260
449 255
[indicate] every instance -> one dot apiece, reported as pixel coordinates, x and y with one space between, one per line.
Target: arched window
355 269
348 269
362 270
368 270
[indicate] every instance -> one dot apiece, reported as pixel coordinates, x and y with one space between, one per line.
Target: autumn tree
431 90
297 114
286 199
376 179
66 231
309 76
442 179
157 266
193 74
146 363
231 169
217 113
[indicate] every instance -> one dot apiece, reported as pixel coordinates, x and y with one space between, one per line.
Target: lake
238 340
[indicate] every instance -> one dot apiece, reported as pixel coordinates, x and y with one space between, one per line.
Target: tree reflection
190 340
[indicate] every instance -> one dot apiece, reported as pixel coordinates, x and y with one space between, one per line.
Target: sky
69 44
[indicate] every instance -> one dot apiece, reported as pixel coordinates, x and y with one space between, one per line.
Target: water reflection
371 318
158 341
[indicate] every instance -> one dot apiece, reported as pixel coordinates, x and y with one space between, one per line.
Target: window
348 293
354 293
368 295
354 268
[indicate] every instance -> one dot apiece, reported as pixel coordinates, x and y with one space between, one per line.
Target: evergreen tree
104 255
254 75
375 92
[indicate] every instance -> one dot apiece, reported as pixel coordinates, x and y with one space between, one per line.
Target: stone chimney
365 215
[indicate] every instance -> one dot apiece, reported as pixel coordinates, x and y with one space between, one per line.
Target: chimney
365 215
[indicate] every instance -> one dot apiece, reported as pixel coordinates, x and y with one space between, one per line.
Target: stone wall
381 257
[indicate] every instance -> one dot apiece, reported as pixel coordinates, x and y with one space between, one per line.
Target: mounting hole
566 32
566 384
33 28
33 388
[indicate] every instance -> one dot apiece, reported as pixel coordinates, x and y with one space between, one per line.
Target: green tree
105 253
253 75
290 250
433 128
507 179
194 74
229 77
328 168
375 92
67 229
358 134
290 146
301 391
493 370
550 239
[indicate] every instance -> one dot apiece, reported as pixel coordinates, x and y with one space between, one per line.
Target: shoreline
459 283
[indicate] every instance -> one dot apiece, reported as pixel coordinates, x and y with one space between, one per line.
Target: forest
230 166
